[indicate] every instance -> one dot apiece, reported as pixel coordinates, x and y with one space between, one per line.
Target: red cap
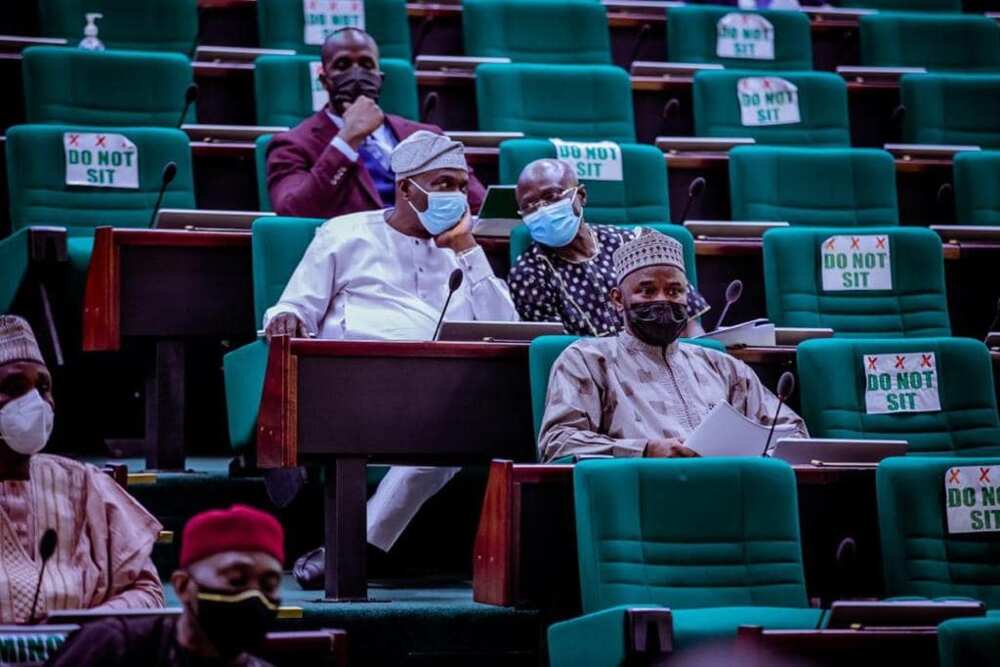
239 528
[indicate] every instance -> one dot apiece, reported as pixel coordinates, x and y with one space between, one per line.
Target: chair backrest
39 195
735 543
537 31
284 89
80 87
951 109
919 556
878 282
762 39
844 393
977 193
278 245
155 25
639 198
938 42
968 642
571 102
835 187
820 98
905 5
281 25
260 161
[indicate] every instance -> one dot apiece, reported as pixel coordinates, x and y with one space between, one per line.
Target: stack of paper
726 432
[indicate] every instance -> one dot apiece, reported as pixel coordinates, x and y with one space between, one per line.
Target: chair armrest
615 636
570 459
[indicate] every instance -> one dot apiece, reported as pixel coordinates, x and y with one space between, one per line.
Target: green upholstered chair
150 25
955 42
920 558
692 37
915 306
277 246
951 109
78 87
905 5
260 161
280 24
537 31
822 98
968 642
835 187
731 558
284 89
977 187
571 102
833 377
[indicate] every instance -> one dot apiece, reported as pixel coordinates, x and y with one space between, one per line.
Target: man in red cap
228 584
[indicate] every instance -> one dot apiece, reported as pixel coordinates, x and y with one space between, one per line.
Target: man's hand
459 238
669 448
285 324
361 118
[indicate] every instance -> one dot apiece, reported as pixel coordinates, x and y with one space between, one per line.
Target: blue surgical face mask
554 225
444 210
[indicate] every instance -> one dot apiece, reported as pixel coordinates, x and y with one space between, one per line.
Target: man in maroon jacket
337 161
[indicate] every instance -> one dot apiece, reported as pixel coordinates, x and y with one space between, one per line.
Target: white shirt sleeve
312 286
488 295
344 148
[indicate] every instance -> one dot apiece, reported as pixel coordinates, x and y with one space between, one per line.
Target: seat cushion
694 626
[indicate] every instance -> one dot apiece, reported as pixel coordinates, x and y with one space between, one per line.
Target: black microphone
454 282
734 291
993 325
166 178
695 191
46 547
786 385
190 95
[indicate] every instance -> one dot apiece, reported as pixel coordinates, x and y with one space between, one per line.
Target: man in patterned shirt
566 274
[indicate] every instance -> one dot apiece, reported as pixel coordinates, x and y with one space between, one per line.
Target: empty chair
945 42
968 642
572 102
778 40
848 187
157 25
877 282
935 393
951 109
79 87
905 5
977 188
801 108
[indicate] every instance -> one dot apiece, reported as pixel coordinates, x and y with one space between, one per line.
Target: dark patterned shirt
548 288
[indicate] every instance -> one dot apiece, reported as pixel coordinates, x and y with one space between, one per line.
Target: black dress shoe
310 570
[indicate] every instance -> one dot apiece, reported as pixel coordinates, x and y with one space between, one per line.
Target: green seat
571 102
905 5
79 87
278 245
537 31
284 89
692 37
835 187
956 42
721 565
977 187
822 99
951 109
260 161
149 25
834 385
915 306
969 642
281 25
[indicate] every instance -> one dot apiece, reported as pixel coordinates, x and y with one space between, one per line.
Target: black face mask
235 623
347 86
657 323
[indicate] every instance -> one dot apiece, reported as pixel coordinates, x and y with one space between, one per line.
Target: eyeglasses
545 200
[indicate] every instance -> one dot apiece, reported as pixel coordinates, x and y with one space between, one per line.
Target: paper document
725 432
759 332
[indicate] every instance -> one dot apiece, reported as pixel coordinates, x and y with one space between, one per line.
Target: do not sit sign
972 499
100 160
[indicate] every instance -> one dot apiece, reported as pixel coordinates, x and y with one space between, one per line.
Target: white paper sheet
726 432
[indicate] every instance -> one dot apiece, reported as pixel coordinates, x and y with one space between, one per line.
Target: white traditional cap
424 151
17 341
650 248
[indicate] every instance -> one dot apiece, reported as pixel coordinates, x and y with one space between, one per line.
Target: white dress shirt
379 143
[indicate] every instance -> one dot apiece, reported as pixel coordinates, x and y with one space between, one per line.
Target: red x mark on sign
101 141
984 475
855 243
925 361
953 476
74 140
872 364
831 244
767 84
880 242
899 362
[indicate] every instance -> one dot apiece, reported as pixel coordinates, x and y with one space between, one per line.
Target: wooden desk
913 647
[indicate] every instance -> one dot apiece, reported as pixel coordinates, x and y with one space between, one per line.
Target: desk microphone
46 547
190 95
734 291
695 191
454 282
786 385
993 325
166 178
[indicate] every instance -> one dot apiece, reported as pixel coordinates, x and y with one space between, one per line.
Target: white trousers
398 498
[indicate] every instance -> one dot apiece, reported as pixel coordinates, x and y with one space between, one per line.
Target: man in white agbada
383 275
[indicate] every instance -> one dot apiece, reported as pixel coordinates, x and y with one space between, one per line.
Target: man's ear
182 584
617 299
582 195
405 188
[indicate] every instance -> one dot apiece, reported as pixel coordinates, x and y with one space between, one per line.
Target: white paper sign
726 432
320 96
599 161
767 100
901 383
749 36
100 160
972 499
324 17
856 263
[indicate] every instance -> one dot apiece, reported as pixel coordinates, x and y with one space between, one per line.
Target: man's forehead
663 273
348 40
227 559
26 368
543 175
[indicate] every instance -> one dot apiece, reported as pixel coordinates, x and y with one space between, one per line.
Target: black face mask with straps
347 86
234 623
657 323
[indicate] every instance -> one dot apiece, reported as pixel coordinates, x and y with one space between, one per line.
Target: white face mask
26 423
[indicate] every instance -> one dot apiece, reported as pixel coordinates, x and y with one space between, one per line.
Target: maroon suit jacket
307 177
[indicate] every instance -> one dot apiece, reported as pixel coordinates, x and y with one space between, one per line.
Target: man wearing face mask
103 536
567 273
337 161
641 393
228 585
